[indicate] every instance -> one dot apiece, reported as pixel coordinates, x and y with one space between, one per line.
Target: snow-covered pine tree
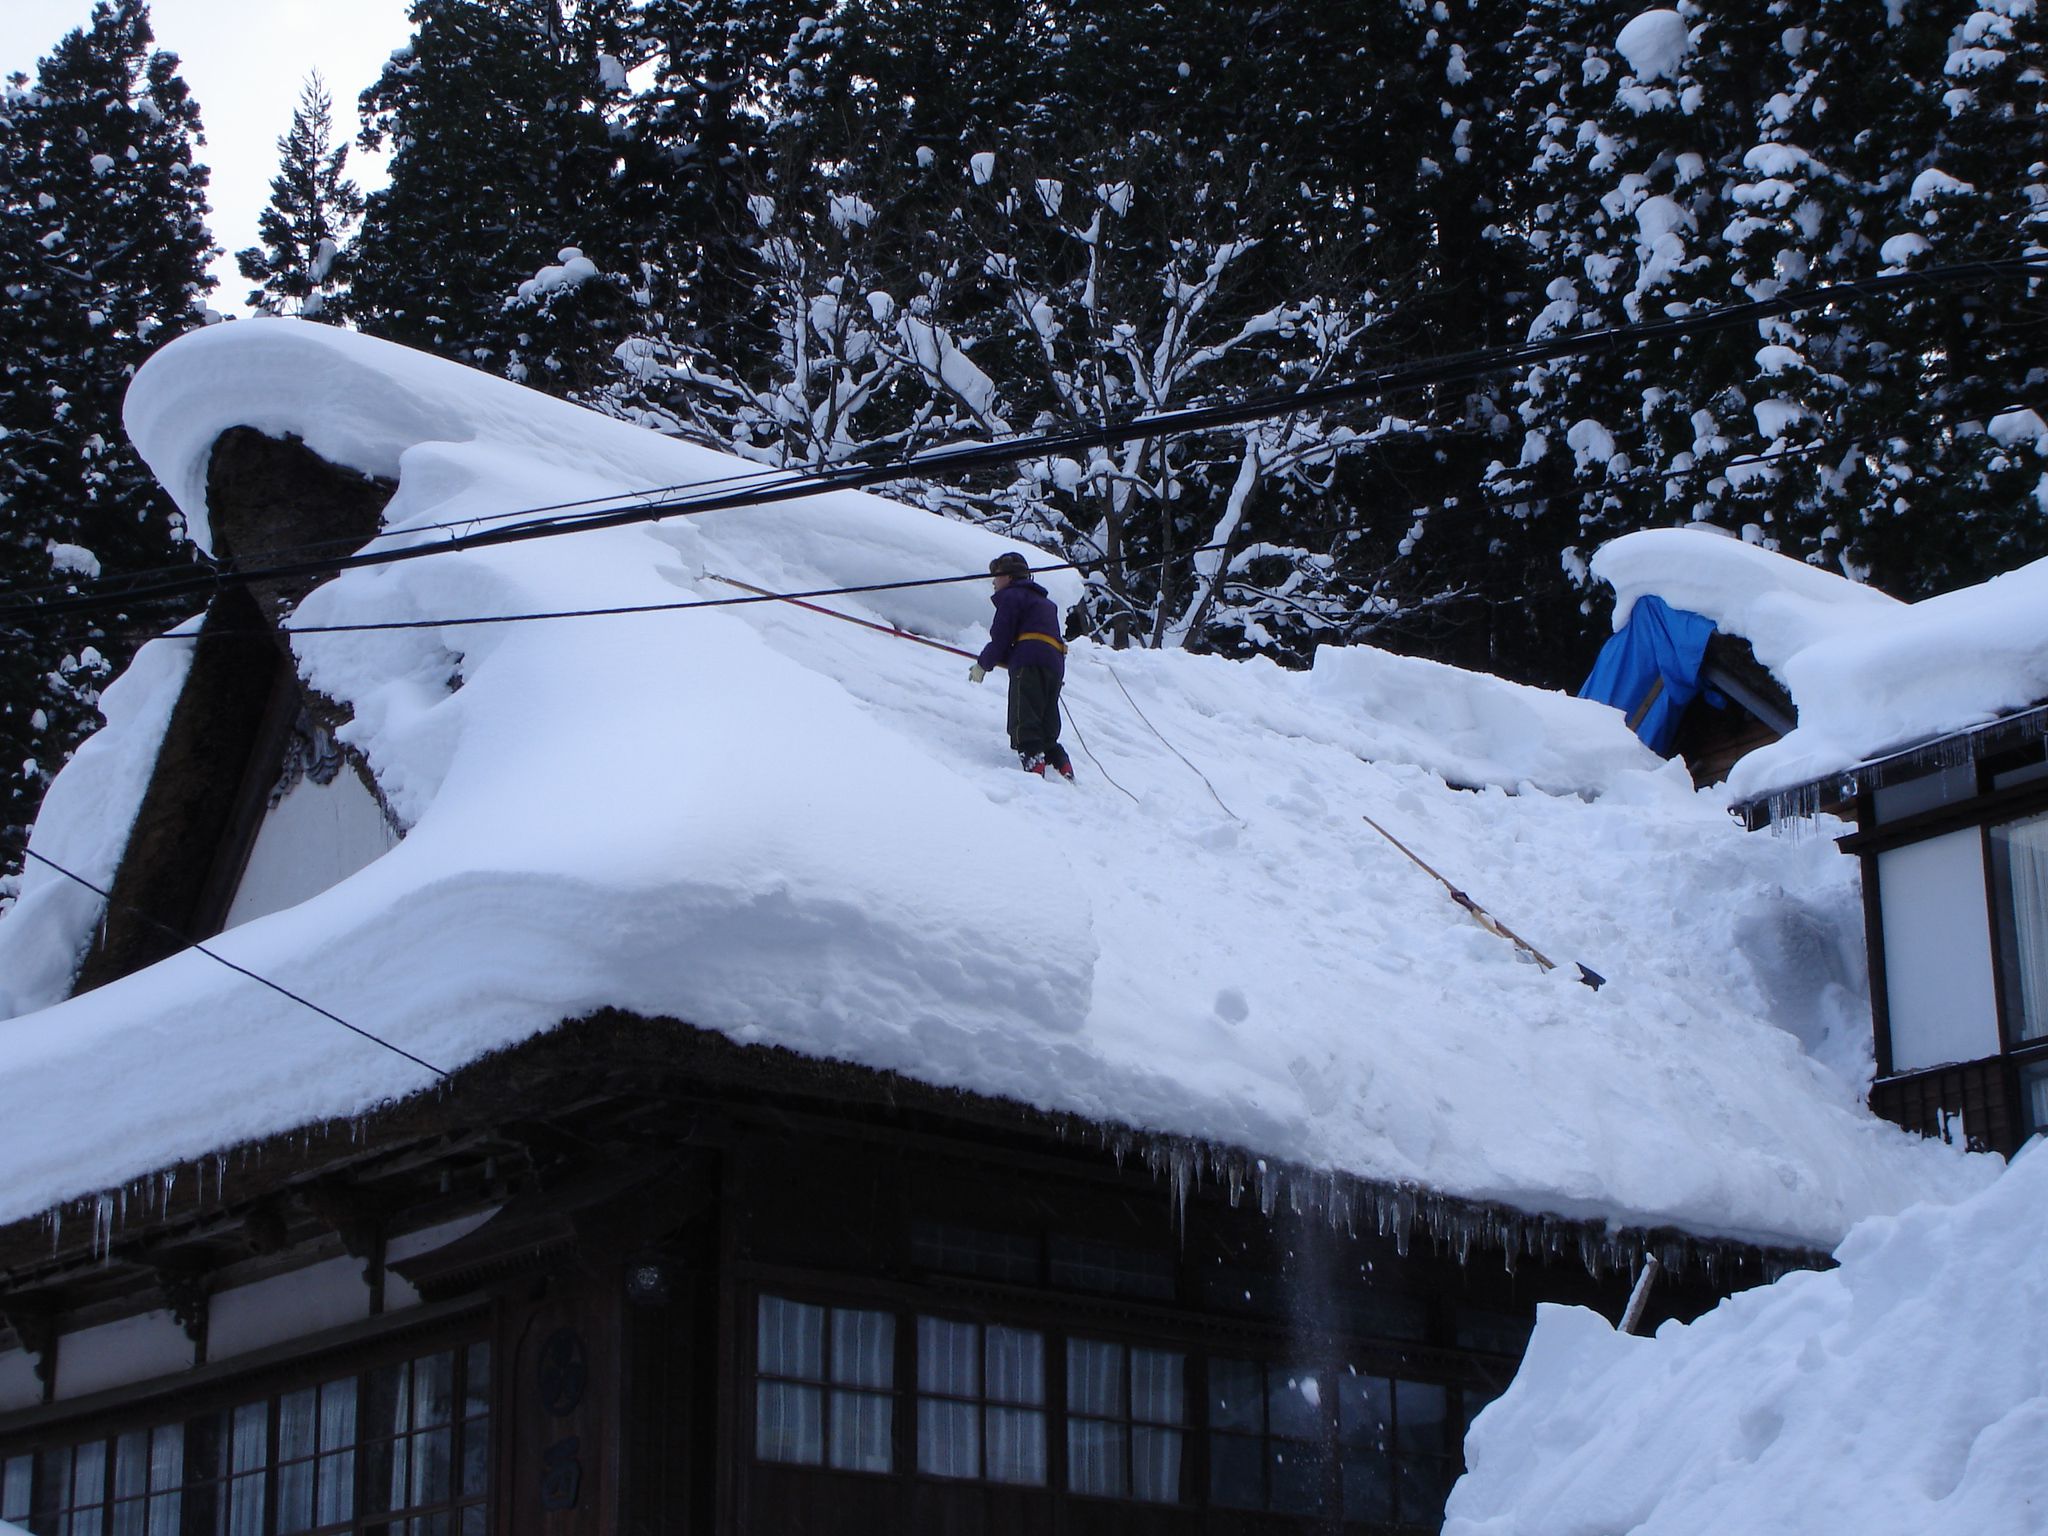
103 252
1638 127
854 359
301 266
1424 157
499 117
1957 426
728 110
1136 281
1831 131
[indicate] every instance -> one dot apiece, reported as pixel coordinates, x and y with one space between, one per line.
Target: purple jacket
1022 612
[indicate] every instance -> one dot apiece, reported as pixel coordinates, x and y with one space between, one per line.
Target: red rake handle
834 613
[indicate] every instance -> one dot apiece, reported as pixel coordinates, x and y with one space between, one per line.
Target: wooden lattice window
402 1449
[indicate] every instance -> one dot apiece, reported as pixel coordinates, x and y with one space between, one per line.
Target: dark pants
1035 714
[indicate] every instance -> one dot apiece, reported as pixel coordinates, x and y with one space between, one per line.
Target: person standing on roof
1025 637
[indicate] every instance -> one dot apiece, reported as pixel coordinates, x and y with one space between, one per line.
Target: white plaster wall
317 836
246 1318
249 1317
115 1354
398 1291
1937 951
18 1385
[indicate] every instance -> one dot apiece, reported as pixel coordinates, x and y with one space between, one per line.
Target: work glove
976 673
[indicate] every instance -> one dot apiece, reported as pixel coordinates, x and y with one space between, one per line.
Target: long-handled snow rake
1484 918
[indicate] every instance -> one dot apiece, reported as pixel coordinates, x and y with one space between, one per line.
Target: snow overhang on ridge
1870 675
799 833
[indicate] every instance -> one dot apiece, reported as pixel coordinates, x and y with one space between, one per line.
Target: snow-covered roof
800 833
1901 1392
1870 675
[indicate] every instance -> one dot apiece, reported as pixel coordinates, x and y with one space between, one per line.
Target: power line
535 514
240 970
965 457
1806 450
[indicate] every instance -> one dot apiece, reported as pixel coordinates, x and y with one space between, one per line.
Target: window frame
270 1384
1333 1449
828 1388
1998 799
1059 1323
2025 1057
982 1402
1183 1429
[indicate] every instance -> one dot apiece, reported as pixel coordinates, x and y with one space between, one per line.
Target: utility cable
534 516
963 457
1497 500
1079 736
1176 751
240 970
894 633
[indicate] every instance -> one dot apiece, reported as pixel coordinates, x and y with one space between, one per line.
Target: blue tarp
1658 641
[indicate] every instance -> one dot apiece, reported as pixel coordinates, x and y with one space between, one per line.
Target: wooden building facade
631 1277
1952 836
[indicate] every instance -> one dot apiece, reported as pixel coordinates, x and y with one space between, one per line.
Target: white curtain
2025 847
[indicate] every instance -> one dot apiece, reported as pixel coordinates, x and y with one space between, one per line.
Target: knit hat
1012 565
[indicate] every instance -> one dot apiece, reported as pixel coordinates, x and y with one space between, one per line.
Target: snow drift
1905 1392
796 832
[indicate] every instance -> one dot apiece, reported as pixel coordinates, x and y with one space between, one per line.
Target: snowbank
1869 674
801 833
1905 1392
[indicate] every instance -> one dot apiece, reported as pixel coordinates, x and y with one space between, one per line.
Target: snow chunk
1777 160
941 358
2009 428
1973 61
1900 250
1470 728
1655 45
1591 444
1779 605
1932 183
1661 225
73 559
1899 1392
1775 418
848 211
573 269
982 167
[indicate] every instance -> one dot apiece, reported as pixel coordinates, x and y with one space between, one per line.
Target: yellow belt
1051 640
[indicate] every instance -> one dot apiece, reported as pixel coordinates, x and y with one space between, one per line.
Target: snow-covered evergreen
103 251
498 117
301 267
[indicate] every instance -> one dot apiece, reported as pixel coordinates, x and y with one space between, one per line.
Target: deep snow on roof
797 832
1870 675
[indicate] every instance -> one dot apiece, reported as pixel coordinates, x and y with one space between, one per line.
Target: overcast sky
245 61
